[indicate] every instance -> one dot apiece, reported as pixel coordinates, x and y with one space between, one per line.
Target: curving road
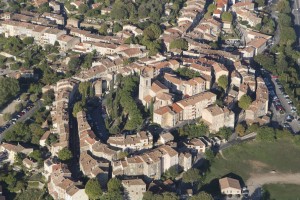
256 181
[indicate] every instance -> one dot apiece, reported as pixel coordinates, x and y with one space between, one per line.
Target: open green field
256 157
282 191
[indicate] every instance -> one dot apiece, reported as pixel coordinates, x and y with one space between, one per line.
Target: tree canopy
9 88
180 43
245 102
202 196
225 132
65 154
223 82
114 184
193 130
191 176
93 189
227 16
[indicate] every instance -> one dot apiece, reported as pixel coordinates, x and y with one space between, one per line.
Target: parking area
284 111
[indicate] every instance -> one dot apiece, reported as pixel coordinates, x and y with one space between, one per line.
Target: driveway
256 181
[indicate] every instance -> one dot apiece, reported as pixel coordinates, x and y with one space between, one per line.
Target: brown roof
196 98
133 182
157 86
229 183
163 110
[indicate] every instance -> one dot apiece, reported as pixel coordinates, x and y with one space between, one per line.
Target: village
135 114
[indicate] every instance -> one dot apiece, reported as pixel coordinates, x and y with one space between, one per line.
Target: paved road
256 181
26 116
236 141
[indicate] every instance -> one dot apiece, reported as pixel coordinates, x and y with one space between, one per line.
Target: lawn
282 191
256 157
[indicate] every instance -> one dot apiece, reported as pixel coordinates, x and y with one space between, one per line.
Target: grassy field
256 157
283 191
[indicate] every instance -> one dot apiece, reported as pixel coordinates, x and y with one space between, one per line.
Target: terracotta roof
229 183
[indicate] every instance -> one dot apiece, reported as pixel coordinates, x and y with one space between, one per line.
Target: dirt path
256 181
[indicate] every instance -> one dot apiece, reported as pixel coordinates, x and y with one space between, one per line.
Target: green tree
114 184
202 196
19 133
36 132
53 138
223 82
180 43
65 154
225 132
83 8
19 107
93 189
103 29
9 88
119 10
74 63
171 173
152 32
193 130
33 97
260 3
48 97
191 176
227 16
266 134
28 40
117 27
78 106
240 129
36 155
283 6
7 116
244 102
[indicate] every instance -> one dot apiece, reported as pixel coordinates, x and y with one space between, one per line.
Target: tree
74 63
103 29
240 129
202 196
171 173
83 8
223 82
9 88
78 106
93 189
53 138
193 130
33 97
226 16
245 102
119 11
114 184
24 97
117 27
65 154
152 32
36 155
191 176
7 116
266 134
225 132
209 155
260 3
28 40
180 43
36 132
19 107
48 97
19 133
85 89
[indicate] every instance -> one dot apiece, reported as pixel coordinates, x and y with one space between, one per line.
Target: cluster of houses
174 98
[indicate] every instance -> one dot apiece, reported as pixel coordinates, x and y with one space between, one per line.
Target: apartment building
12 150
151 164
94 168
217 117
185 87
64 92
186 109
139 141
61 185
134 189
